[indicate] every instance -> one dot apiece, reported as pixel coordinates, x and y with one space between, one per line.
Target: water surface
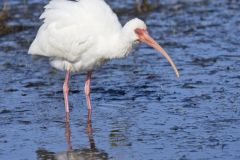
140 109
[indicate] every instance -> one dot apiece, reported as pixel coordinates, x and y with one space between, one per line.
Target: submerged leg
65 93
87 90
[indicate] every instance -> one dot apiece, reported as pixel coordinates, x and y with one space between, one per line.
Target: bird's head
136 30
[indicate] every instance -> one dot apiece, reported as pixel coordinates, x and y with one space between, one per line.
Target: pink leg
87 90
65 92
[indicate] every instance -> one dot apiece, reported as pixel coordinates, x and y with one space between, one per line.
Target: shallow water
141 110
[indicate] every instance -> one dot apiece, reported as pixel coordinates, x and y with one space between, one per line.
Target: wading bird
81 35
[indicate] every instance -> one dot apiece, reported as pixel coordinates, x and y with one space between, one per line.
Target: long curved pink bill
144 37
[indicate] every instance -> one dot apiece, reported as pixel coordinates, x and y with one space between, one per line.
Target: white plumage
82 34
79 35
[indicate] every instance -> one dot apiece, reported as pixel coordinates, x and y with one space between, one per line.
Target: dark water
141 110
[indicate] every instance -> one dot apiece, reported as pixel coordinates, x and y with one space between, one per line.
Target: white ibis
80 35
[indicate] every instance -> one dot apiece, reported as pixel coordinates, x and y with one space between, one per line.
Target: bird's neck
121 46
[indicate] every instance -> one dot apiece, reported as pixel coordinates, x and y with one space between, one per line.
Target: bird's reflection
91 153
68 136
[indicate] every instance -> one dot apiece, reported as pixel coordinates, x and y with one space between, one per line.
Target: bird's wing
71 28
